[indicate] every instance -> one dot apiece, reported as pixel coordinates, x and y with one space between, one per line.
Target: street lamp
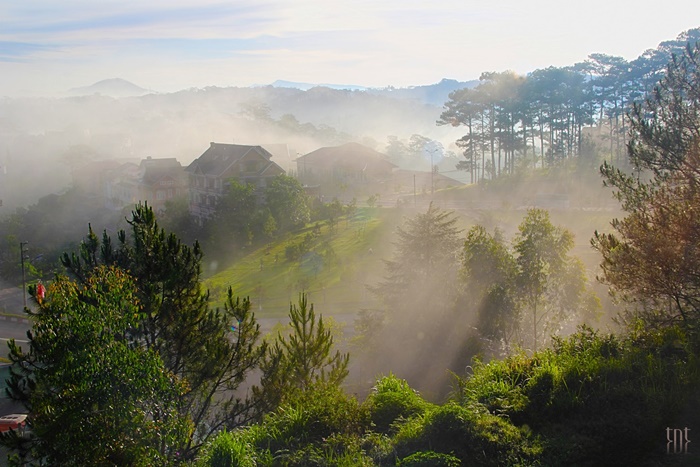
23 256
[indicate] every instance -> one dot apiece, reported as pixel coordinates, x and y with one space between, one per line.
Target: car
15 421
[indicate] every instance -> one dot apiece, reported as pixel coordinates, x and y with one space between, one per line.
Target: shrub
470 434
593 398
228 450
429 459
392 399
310 418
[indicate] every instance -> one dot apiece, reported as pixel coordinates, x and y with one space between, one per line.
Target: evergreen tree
652 258
195 342
425 261
302 360
93 397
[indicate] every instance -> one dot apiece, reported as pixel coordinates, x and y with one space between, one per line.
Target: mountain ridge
433 94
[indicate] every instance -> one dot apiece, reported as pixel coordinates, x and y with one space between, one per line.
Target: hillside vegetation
332 265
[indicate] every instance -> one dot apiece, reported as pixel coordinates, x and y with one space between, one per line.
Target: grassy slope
334 273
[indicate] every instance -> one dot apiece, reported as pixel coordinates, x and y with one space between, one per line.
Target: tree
425 260
176 323
233 224
490 271
287 202
302 360
652 259
541 257
93 397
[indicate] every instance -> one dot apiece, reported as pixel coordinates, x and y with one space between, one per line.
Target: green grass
334 271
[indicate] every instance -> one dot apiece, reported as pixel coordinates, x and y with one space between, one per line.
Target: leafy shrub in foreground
469 433
593 398
228 450
310 418
392 399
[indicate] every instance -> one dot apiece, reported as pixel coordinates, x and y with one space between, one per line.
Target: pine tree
652 260
93 398
302 360
210 351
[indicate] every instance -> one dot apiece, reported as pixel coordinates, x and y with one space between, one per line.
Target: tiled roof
219 157
348 151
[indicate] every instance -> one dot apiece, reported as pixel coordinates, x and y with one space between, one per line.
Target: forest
477 344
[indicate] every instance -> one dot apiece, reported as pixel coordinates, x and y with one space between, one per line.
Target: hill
115 87
332 267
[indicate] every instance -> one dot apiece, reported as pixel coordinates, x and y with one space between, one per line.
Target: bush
228 450
310 418
392 399
470 434
593 398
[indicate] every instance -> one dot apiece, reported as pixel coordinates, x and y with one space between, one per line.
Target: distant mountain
433 94
115 87
306 86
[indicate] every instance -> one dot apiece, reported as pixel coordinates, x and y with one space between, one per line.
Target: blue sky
47 47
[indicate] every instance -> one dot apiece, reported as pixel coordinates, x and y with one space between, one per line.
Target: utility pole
432 168
414 190
22 257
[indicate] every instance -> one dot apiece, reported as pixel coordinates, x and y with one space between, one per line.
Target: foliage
542 258
287 202
51 226
235 216
489 271
93 397
429 459
177 323
592 398
228 450
468 433
425 258
302 360
322 419
391 400
537 276
652 259
538 120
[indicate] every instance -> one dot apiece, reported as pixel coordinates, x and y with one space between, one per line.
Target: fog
42 139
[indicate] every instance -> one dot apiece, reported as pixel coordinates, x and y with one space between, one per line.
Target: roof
217 159
423 175
355 152
153 170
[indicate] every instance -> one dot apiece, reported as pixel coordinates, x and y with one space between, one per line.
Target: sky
48 47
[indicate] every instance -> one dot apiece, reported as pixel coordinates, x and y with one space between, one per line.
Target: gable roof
347 152
219 157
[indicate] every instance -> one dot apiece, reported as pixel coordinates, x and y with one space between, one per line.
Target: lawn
334 267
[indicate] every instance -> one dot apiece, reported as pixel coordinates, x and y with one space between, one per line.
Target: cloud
20 51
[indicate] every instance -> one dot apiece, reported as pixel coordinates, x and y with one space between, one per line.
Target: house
406 181
91 177
210 174
351 168
155 181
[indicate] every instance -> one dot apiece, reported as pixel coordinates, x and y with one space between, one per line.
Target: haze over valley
313 234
